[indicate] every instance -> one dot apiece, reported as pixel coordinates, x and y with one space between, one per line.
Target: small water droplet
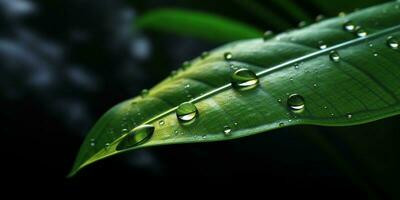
296 65
349 26
392 42
228 56
187 86
375 54
227 130
173 73
124 130
186 112
370 44
144 92
267 35
176 132
204 54
322 45
161 122
92 144
349 116
342 14
244 79
233 67
186 64
319 18
302 24
315 85
332 114
334 56
107 146
296 102
325 107
235 123
138 135
360 32
204 137
279 100
291 78
281 124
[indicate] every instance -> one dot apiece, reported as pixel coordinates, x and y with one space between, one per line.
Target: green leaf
196 24
357 84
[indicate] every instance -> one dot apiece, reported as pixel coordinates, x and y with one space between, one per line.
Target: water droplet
360 32
296 102
315 85
375 54
92 144
161 122
322 45
279 100
107 146
144 92
187 86
138 135
370 44
186 64
349 26
392 42
296 65
186 112
349 116
227 130
204 137
174 72
235 123
291 78
204 54
302 24
267 35
228 56
233 67
281 124
319 18
334 56
244 79
124 130
342 14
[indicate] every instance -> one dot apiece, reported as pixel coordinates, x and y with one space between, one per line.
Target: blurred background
64 63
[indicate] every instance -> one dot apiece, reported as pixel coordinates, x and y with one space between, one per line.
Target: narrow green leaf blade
357 84
196 24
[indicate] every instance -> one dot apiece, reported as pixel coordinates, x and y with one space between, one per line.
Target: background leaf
196 24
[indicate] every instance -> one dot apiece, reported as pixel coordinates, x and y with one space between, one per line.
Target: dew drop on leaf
244 79
204 54
281 124
302 24
342 14
375 54
187 86
392 42
144 92
227 130
161 122
228 56
319 18
360 32
267 35
186 112
349 116
138 135
322 45
349 26
107 146
296 102
334 56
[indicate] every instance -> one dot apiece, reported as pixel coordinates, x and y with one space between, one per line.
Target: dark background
64 63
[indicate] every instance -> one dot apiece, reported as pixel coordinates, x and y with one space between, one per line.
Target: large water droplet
186 112
139 135
244 79
267 35
334 56
392 42
227 130
349 26
296 102
228 56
